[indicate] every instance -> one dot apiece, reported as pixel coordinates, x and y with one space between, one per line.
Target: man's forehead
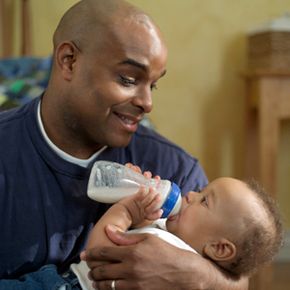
139 39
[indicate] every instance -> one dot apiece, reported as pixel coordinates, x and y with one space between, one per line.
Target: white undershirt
81 162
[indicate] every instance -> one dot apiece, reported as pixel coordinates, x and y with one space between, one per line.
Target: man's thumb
121 238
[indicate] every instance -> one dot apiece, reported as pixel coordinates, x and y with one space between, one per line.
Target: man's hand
146 262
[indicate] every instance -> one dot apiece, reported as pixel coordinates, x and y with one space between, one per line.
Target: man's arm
147 262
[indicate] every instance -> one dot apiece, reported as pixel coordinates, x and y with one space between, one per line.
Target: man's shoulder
13 125
13 115
148 139
8 115
150 149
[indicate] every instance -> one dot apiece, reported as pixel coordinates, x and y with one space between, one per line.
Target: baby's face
216 212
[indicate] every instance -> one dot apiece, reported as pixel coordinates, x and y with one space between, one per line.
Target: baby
233 223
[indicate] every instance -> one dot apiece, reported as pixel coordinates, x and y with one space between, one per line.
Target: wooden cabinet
7 12
268 103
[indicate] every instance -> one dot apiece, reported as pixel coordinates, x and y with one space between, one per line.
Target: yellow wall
200 102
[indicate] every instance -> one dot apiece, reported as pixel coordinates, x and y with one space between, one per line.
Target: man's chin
120 141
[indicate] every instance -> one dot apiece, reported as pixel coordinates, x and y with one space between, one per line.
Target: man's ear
222 250
66 54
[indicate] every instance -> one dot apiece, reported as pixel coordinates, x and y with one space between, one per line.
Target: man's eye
127 81
153 87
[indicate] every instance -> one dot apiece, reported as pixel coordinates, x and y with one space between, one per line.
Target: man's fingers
108 272
119 285
104 254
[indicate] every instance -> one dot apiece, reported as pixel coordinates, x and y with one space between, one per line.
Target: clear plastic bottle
110 181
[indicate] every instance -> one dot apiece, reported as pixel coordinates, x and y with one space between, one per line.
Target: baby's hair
262 240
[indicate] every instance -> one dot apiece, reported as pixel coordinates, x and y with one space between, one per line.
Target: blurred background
201 103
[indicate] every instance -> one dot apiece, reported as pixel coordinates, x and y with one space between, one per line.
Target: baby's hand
143 206
136 168
149 201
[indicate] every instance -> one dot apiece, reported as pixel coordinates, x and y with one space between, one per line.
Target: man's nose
143 99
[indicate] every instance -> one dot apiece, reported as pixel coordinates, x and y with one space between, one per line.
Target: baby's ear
222 250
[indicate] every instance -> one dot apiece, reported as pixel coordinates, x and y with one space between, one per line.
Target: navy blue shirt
45 214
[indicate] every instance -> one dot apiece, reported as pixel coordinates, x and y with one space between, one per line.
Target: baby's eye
197 188
204 201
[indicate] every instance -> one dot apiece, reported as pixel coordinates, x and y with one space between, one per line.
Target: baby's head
234 223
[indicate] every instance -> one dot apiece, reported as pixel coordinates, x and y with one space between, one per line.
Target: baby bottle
110 181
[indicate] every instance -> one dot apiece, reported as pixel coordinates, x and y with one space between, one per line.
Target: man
108 56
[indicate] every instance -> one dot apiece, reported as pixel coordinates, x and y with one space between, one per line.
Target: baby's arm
127 213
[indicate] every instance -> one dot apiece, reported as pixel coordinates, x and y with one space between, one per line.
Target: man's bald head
89 21
108 56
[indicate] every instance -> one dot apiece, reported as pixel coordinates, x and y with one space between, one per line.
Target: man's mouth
126 120
129 122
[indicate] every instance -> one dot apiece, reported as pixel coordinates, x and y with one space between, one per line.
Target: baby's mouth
173 217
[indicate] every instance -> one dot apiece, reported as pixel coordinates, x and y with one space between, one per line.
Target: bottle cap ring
171 200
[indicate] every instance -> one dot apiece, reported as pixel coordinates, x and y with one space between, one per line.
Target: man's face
111 89
216 212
